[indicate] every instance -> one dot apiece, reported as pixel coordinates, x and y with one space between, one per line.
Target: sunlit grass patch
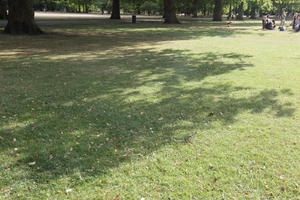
193 111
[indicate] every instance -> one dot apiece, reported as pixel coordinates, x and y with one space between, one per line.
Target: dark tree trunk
241 11
253 11
218 10
3 9
170 12
165 9
21 18
78 6
138 9
204 10
195 8
86 8
115 10
230 11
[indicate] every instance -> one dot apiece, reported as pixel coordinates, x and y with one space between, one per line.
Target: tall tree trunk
115 10
218 10
78 6
138 8
253 10
165 9
204 10
21 18
230 11
195 4
86 8
170 15
3 9
240 15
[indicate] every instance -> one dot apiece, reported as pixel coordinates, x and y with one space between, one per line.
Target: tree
170 12
195 7
240 15
185 6
115 10
150 7
165 6
21 18
253 9
218 10
3 9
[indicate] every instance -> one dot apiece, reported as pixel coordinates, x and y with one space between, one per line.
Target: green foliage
183 6
150 7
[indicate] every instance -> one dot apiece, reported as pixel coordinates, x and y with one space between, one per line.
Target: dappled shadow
82 38
109 110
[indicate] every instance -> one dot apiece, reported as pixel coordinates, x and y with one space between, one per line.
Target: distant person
294 20
273 23
297 23
282 18
268 23
264 22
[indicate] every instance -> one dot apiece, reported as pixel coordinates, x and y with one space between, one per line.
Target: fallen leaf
32 163
68 190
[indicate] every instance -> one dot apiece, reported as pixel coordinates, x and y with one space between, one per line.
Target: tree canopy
187 7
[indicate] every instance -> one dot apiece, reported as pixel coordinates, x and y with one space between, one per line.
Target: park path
82 22
65 19
71 22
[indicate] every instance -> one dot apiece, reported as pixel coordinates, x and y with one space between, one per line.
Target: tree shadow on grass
78 39
102 112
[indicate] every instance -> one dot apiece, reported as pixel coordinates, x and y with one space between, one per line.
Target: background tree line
20 14
187 7
251 8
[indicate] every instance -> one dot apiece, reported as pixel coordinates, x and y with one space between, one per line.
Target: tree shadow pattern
82 38
100 113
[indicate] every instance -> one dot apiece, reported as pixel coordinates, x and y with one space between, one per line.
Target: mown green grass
193 111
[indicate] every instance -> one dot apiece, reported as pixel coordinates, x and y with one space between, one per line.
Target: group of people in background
270 24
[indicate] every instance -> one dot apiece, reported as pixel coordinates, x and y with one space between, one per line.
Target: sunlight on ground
197 110
17 125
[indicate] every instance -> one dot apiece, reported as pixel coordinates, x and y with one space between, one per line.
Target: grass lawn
191 111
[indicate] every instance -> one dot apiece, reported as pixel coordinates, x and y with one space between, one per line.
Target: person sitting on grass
282 18
296 24
268 23
264 22
294 20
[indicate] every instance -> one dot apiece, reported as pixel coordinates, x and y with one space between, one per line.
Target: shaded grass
196 111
